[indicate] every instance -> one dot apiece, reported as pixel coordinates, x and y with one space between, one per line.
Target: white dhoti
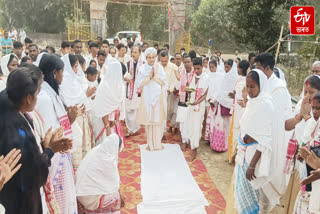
154 136
131 121
182 113
172 110
193 126
131 115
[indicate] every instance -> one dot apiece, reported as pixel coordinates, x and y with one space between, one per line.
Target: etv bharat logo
302 20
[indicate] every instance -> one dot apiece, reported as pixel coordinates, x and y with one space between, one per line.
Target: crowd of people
66 116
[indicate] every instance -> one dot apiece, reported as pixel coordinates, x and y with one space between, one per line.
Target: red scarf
199 93
184 82
131 69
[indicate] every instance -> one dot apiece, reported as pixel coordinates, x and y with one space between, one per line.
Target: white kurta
89 58
151 113
195 115
238 111
283 111
132 104
172 100
182 111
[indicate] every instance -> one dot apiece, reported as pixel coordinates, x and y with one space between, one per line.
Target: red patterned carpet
129 167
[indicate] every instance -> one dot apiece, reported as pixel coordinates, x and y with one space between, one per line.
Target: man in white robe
22 36
33 53
185 79
316 68
135 41
122 54
270 195
152 81
132 96
143 49
94 48
172 76
196 110
104 46
179 63
101 66
76 47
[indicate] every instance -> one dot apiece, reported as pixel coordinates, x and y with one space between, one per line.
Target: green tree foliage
212 21
249 23
46 16
311 50
150 21
258 23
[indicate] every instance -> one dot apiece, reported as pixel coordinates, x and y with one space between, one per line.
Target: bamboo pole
279 43
315 47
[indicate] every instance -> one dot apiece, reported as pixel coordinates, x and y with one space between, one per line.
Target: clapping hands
8 166
56 142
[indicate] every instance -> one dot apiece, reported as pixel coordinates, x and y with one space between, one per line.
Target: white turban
150 51
316 63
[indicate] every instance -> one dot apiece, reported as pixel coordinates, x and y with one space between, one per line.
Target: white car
127 34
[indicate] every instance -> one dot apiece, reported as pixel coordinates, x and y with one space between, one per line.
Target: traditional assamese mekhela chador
152 81
52 109
310 88
307 200
221 128
255 137
98 180
215 79
73 94
107 104
237 109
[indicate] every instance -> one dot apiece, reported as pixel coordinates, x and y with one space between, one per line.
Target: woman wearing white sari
72 94
152 82
107 104
51 108
297 124
215 78
98 180
238 109
309 194
8 64
219 141
255 144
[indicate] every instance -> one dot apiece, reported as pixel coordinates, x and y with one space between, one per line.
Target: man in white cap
151 80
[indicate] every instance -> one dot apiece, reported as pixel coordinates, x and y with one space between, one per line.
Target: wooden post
177 17
98 11
279 43
315 47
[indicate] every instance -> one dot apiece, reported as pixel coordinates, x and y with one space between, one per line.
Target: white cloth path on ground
167 185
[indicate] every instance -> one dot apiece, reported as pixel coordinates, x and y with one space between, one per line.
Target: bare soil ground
218 167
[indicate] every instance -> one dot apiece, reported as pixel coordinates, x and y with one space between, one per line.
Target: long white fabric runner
167 185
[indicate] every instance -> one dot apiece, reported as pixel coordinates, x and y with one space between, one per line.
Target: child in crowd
93 63
92 74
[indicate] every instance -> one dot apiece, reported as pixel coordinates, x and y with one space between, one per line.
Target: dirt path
218 167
